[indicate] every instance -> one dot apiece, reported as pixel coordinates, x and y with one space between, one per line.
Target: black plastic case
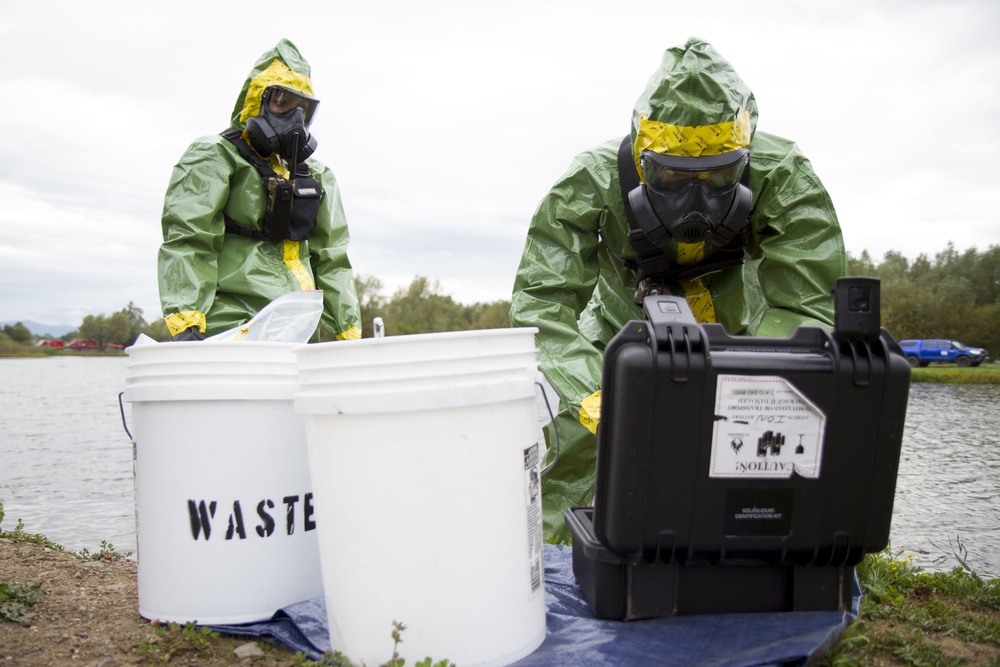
741 474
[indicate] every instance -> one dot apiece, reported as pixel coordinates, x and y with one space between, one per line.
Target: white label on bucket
765 428
533 503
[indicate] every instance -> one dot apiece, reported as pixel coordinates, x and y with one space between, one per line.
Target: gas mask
692 199
282 126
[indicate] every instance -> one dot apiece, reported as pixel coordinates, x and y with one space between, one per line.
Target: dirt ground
89 616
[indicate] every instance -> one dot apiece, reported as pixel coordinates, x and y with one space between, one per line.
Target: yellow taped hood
283 65
694 104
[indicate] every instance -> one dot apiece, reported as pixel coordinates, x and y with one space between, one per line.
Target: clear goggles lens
281 100
717 174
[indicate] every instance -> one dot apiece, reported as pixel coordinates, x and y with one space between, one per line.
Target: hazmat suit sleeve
331 267
193 230
798 239
556 279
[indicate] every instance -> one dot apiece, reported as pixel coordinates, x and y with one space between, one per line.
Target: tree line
955 295
417 308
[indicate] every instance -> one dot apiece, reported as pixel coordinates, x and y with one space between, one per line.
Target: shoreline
985 374
87 614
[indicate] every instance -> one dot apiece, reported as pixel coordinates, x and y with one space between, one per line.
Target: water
66 463
65 459
948 489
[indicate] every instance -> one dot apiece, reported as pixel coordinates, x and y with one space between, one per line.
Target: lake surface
66 463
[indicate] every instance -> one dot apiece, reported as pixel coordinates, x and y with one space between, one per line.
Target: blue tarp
574 638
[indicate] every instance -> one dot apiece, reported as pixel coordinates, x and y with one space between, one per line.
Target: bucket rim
506 360
209 347
436 336
353 400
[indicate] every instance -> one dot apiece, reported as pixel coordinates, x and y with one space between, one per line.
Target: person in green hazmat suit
693 202
249 216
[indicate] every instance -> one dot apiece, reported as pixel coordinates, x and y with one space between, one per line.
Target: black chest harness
653 269
292 205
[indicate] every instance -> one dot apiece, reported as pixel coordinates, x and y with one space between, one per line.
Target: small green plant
16 600
326 660
173 640
19 535
920 618
107 552
884 576
426 662
338 659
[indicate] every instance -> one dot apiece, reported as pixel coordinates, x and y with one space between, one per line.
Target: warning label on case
765 427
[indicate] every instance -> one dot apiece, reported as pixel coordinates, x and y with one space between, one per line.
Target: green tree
493 315
136 323
18 333
952 305
985 277
956 296
861 266
94 327
104 330
984 329
418 308
369 289
157 330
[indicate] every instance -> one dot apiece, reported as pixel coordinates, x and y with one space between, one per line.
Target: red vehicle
50 342
80 344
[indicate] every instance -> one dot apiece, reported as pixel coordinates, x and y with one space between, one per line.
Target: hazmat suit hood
281 66
695 105
578 273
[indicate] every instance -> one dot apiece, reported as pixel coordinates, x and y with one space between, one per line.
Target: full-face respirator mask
282 126
692 199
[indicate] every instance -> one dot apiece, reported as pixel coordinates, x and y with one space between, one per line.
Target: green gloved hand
191 333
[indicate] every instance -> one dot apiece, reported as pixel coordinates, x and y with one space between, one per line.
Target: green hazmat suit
216 281
574 281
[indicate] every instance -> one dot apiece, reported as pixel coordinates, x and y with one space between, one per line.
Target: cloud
446 122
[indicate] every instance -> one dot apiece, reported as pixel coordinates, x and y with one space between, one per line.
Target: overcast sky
446 122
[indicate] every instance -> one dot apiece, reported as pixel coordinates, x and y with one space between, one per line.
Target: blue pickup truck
923 352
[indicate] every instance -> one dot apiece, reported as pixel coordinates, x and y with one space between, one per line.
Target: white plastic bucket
447 346
373 370
429 498
226 521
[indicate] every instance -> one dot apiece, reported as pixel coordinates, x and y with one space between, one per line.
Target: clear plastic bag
291 318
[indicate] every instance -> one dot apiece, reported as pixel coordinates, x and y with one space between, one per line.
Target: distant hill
54 330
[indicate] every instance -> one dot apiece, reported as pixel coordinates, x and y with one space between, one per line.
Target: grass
17 599
9 348
912 617
106 552
13 349
908 616
171 640
190 641
338 659
951 374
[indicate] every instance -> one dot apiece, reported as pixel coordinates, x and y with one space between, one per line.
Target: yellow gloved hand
590 411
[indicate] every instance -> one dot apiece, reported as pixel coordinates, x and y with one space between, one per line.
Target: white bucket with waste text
226 524
428 495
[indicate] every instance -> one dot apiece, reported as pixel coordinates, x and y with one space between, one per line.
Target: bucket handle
555 430
121 406
546 471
